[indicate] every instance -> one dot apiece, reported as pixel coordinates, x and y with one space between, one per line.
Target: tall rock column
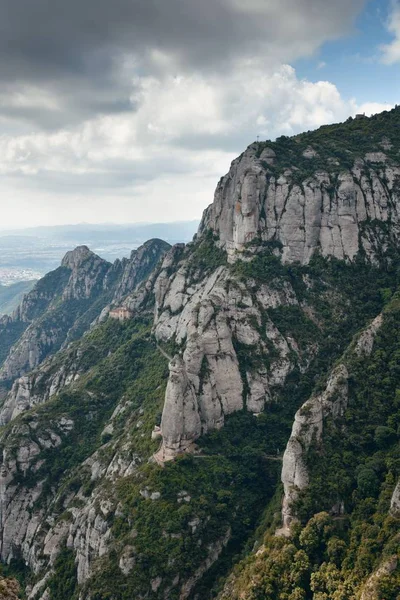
180 424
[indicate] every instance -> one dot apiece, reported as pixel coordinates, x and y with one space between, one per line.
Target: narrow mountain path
167 356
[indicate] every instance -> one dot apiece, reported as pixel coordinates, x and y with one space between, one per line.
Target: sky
131 110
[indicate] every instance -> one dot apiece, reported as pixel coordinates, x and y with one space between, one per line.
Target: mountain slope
11 295
63 304
340 471
144 459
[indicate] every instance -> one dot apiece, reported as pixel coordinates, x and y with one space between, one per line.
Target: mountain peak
74 258
331 191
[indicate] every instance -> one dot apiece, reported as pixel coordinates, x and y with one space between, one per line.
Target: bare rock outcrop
395 500
209 318
307 429
326 212
308 426
40 385
139 267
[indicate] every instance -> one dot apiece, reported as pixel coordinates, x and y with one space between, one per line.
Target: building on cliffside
121 313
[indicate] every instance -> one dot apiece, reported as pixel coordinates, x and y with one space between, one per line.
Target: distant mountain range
128 232
27 254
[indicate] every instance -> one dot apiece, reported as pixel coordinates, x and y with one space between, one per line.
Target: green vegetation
337 146
201 498
134 371
361 452
206 256
62 584
332 554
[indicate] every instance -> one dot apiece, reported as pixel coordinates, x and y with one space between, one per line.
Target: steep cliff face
271 194
308 427
289 201
211 320
139 267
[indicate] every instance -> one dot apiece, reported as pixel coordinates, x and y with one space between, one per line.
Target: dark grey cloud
76 49
44 37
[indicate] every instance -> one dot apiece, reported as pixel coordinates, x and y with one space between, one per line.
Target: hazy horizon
100 224
29 253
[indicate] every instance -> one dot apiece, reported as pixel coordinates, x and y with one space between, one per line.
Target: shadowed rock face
326 212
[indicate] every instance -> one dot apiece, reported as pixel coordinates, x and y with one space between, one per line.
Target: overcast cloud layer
131 110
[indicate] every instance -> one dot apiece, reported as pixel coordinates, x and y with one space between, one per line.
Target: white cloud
161 160
391 52
171 114
372 108
136 115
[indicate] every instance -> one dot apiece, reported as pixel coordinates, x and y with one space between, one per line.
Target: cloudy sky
131 110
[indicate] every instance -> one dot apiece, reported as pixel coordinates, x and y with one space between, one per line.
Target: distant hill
11 295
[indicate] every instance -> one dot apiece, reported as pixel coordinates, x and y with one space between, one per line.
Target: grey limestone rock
325 213
395 500
308 425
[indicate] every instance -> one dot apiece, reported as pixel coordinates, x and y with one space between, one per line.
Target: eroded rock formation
328 212
308 427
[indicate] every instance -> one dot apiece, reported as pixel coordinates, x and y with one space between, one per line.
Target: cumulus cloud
129 109
175 117
372 108
391 51
165 155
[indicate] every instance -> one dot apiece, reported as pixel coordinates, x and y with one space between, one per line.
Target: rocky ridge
63 305
337 213
327 212
308 427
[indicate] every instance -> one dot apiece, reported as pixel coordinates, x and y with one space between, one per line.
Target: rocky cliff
340 514
284 201
308 427
63 304
249 332
286 194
